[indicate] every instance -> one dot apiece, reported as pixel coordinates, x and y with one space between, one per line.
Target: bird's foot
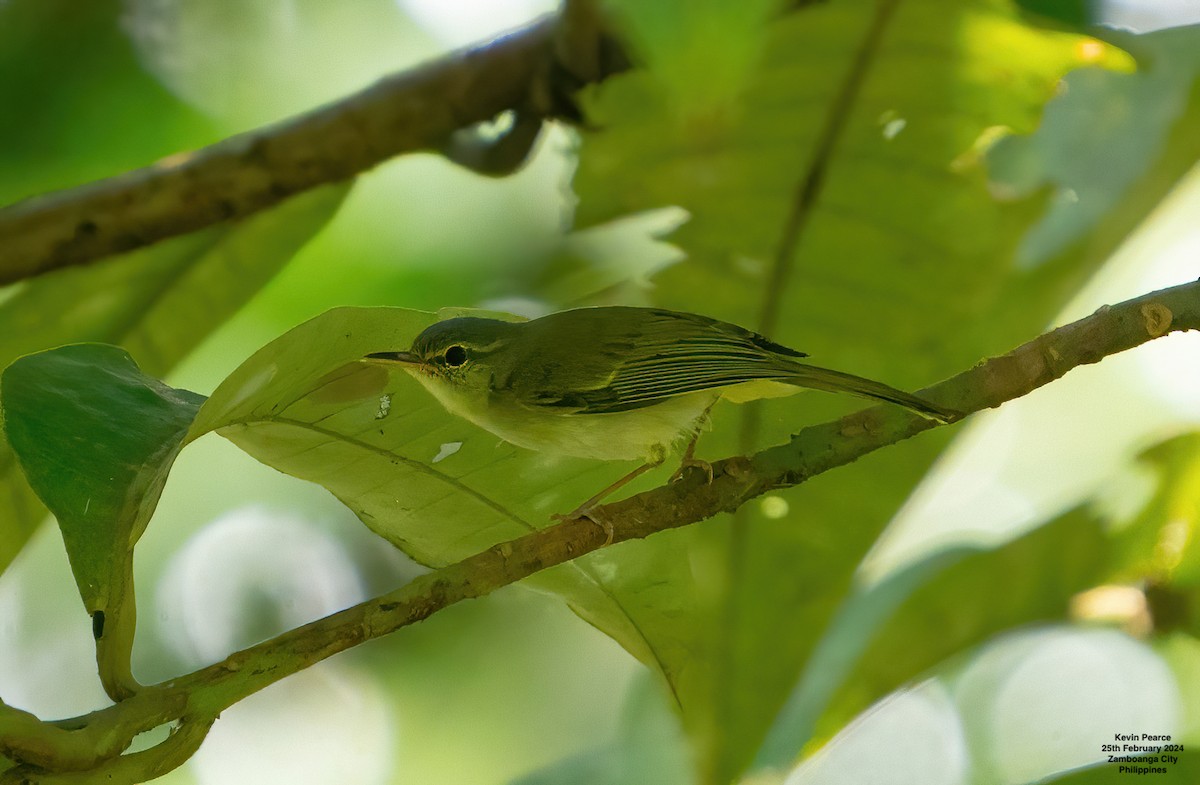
689 462
586 510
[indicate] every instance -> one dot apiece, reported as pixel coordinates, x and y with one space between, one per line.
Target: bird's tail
835 381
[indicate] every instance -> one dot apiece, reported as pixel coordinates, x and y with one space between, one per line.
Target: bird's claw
589 514
688 463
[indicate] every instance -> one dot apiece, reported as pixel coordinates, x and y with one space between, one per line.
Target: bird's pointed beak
402 358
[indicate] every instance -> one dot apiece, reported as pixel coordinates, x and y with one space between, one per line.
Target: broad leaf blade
434 485
954 606
159 303
861 137
96 438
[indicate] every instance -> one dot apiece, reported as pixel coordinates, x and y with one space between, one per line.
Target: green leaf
96 438
1161 542
1075 14
648 747
900 628
843 209
676 40
68 72
1186 769
61 101
158 303
434 485
1098 138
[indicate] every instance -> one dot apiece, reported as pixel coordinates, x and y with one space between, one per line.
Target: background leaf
648 747
843 209
891 633
68 67
434 485
1161 542
96 438
1100 136
158 303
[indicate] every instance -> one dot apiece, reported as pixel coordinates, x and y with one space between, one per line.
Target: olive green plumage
612 382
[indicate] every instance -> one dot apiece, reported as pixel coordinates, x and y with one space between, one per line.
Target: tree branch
810 452
414 110
137 767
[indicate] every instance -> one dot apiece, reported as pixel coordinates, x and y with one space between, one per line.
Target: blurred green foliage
158 303
957 604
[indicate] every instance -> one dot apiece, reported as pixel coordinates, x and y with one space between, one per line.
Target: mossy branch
92 741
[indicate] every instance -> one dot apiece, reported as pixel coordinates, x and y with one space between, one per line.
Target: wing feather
649 356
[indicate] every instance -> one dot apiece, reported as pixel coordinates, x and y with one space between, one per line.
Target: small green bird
615 382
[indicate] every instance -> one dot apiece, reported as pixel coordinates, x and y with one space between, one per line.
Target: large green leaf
96 438
841 206
158 303
61 102
955 606
434 485
66 135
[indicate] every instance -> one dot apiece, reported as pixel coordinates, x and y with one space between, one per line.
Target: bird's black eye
456 356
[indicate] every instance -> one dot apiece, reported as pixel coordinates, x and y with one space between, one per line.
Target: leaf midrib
429 471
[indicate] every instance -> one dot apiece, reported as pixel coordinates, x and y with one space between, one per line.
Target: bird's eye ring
455 356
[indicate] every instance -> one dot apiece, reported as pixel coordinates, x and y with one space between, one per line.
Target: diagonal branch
810 452
529 71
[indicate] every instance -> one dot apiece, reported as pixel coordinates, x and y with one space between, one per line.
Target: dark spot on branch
97 624
423 609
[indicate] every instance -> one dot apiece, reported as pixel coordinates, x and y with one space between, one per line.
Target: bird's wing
649 356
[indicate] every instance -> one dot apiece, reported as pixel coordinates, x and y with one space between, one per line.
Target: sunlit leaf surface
843 207
433 484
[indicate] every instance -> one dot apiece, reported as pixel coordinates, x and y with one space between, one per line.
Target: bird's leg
586 510
689 454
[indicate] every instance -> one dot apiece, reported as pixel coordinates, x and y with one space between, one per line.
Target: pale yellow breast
638 435
646 434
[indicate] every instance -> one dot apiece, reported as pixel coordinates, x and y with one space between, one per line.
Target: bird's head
462 353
